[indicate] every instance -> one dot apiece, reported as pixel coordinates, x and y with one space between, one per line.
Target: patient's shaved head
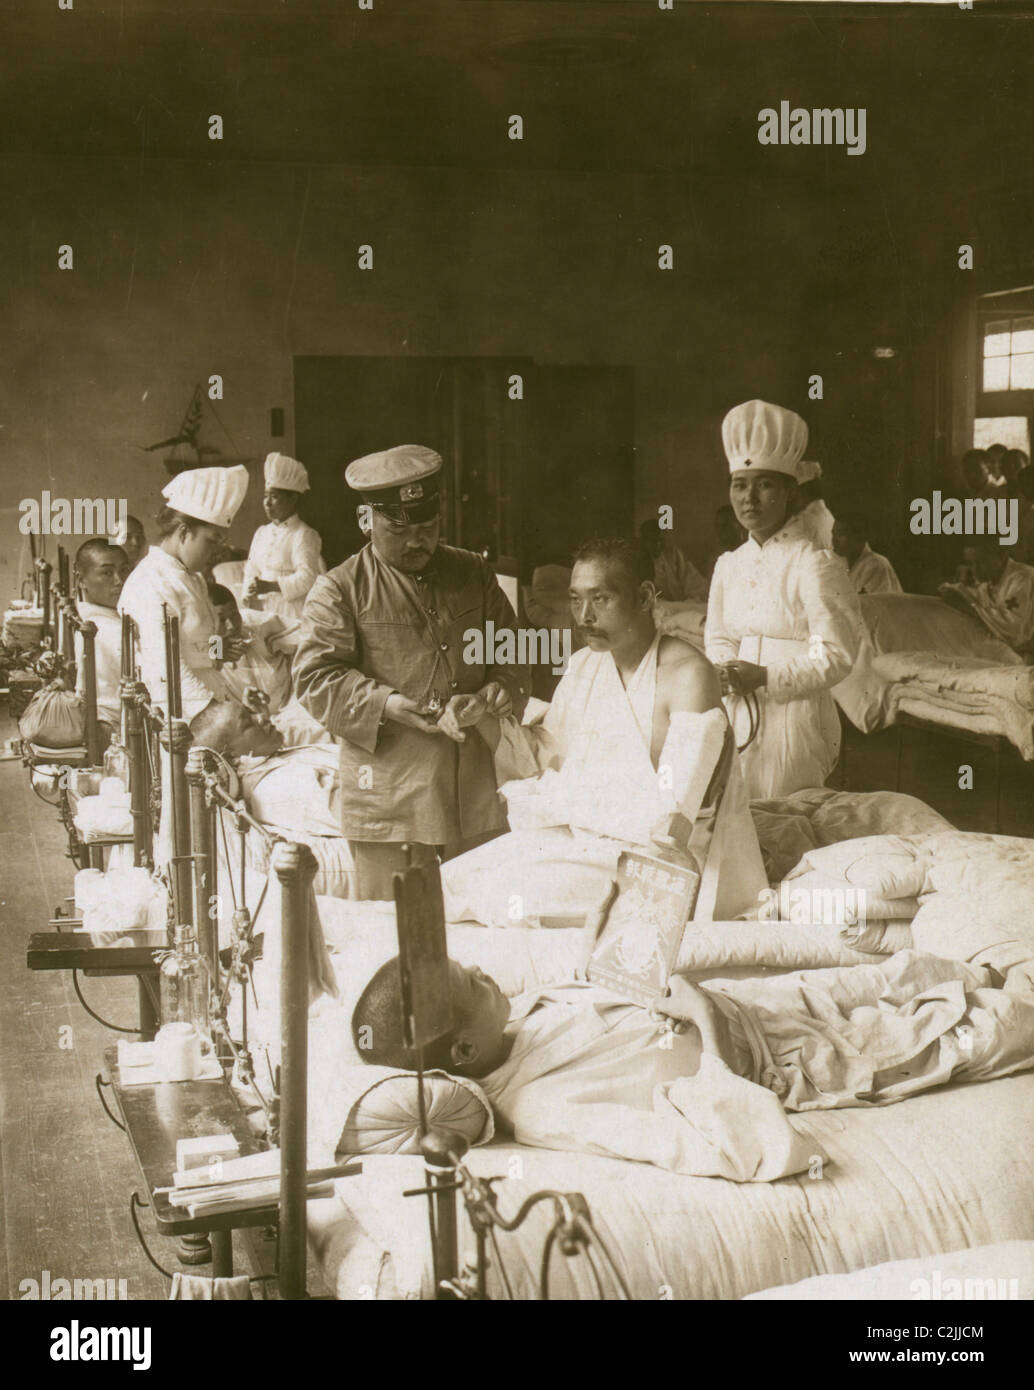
228 727
476 1044
377 1025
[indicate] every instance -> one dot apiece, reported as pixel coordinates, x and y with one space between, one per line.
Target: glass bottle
116 762
183 985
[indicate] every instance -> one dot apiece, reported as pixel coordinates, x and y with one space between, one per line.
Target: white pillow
384 1117
885 865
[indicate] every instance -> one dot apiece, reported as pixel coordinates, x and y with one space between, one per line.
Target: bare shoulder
686 679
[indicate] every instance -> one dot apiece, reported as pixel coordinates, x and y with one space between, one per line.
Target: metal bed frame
197 798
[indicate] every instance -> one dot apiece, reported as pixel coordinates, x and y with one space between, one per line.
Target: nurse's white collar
788 531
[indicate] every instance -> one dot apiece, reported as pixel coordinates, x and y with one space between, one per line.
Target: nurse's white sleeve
719 643
306 548
834 630
195 695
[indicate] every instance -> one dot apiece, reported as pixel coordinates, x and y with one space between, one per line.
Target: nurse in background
783 622
200 506
286 555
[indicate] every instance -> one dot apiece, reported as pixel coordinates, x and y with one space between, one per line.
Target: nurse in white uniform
201 504
286 555
783 622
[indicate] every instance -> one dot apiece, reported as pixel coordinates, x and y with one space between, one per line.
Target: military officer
380 665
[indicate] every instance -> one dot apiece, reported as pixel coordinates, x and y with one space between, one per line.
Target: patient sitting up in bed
633 735
701 1083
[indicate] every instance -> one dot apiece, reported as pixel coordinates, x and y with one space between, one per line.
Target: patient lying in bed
700 1085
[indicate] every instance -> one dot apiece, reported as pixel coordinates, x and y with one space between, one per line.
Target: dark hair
169 520
974 456
1025 482
95 550
134 521
1013 458
219 595
855 522
377 1026
216 725
631 558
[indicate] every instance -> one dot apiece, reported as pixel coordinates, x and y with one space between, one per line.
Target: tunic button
454 684
445 646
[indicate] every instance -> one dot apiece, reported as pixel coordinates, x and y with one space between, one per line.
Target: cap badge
412 492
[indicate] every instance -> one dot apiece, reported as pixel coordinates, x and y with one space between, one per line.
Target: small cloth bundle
55 718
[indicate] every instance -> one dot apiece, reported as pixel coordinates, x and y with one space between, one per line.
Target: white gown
290 553
791 608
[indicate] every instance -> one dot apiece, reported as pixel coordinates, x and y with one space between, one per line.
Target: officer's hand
401 710
460 713
496 699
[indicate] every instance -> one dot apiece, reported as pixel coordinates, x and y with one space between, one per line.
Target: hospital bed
924 660
900 1182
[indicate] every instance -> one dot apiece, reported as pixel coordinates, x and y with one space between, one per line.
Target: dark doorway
526 476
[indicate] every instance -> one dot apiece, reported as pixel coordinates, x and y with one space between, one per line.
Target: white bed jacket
791 608
107 652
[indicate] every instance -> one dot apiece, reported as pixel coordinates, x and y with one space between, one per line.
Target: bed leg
222 1254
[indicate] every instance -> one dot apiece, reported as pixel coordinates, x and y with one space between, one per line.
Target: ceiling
602 85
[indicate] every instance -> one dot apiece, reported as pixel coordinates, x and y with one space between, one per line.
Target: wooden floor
66 1172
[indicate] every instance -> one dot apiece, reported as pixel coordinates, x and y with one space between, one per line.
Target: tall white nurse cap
764 437
208 494
282 472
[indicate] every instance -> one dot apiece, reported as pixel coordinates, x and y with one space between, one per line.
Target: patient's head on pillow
230 728
476 1045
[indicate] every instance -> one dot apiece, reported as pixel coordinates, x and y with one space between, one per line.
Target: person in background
1025 494
974 470
869 573
135 542
1011 464
674 577
783 622
546 603
814 517
994 454
381 666
102 569
261 665
200 506
1001 596
286 554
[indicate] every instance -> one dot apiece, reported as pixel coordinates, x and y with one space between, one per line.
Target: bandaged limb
694 764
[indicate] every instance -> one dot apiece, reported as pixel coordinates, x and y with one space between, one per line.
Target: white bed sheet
943 1171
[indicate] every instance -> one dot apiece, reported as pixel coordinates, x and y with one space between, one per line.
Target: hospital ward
517 757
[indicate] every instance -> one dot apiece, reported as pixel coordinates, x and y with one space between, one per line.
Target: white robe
586 789
107 652
160 579
591 1073
791 608
874 574
289 553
